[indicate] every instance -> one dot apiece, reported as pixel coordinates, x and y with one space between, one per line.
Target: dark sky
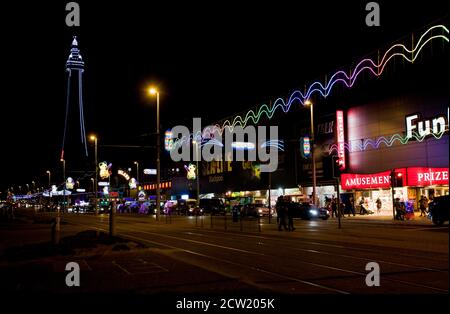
209 59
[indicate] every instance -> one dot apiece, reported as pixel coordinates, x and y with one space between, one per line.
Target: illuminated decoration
69 183
150 171
191 171
54 190
340 138
104 170
256 171
142 195
184 197
362 145
243 145
102 183
278 144
397 50
417 176
81 190
125 175
75 63
366 181
105 190
305 145
133 183
168 140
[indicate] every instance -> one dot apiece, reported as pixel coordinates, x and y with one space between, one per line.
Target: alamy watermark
228 144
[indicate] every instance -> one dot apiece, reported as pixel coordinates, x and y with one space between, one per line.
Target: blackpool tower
74 69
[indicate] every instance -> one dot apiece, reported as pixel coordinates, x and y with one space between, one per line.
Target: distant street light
137 171
310 104
198 182
94 190
49 178
154 91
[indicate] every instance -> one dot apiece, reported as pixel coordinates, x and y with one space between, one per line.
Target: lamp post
154 91
311 106
137 171
94 190
34 185
198 182
49 178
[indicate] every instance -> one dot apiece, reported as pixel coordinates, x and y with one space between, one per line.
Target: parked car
187 207
249 210
439 210
308 211
213 206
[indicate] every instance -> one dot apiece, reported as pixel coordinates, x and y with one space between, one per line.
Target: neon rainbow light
397 50
364 144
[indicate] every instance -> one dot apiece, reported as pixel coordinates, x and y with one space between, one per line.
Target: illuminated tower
75 65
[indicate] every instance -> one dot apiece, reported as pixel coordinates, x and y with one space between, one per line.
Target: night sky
210 60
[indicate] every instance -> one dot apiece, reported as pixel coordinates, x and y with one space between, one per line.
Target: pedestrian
423 203
351 206
290 216
281 214
378 202
334 212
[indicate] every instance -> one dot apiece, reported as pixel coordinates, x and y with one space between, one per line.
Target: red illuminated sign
366 181
419 176
340 138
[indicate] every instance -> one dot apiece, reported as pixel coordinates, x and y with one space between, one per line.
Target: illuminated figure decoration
133 183
105 190
69 183
343 78
305 146
142 195
75 63
191 175
104 170
54 190
168 140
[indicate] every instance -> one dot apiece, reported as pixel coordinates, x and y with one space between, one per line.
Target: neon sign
305 145
418 176
243 146
397 50
340 138
436 125
124 174
168 140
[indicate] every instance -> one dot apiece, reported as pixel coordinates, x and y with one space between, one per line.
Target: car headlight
260 211
190 209
313 212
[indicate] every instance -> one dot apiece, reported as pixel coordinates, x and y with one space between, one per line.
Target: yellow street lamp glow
152 91
92 137
308 103
48 171
135 162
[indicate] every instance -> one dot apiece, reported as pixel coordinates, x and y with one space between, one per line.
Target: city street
315 258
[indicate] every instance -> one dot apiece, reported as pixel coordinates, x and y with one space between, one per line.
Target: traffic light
337 166
397 179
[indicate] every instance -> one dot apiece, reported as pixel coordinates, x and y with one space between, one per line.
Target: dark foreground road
191 256
184 257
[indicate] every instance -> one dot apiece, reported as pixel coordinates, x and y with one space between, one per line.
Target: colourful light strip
339 76
375 144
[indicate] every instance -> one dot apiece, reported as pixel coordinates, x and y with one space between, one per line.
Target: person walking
334 212
423 203
281 208
290 216
378 203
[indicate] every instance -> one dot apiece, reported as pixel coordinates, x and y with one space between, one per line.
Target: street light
137 171
34 185
154 91
49 178
94 190
311 106
198 183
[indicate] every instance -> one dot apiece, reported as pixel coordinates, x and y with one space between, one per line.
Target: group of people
284 213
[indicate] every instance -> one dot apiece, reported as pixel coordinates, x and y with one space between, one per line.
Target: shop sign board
366 181
420 176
